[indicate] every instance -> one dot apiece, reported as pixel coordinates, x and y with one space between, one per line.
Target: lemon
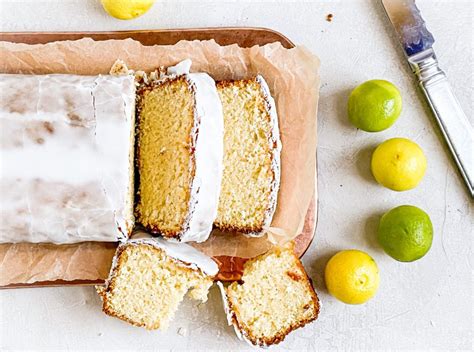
398 164
405 233
374 105
126 9
352 276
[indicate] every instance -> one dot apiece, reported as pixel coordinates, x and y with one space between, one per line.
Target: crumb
99 334
119 68
329 17
182 331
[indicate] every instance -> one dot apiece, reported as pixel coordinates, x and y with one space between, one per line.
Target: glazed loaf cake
67 158
251 156
179 153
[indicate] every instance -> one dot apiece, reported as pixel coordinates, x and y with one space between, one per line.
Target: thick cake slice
273 298
66 153
251 156
149 278
179 154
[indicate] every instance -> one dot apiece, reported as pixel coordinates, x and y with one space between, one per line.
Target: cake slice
251 156
273 297
149 278
179 153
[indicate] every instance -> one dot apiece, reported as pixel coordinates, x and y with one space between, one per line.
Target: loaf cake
251 156
179 153
66 158
273 298
149 278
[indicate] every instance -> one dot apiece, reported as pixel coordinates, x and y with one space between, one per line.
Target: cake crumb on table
182 332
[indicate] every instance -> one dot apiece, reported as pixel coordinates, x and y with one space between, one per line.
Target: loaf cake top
66 151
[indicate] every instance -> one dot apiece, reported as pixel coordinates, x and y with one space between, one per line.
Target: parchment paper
293 78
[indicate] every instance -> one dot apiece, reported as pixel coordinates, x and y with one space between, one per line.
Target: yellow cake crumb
246 191
273 297
165 152
147 286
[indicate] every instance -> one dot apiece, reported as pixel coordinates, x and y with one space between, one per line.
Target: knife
417 43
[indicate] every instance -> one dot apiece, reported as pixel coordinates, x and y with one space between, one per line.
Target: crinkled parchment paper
293 78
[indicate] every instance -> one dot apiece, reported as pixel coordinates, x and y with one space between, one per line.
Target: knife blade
417 43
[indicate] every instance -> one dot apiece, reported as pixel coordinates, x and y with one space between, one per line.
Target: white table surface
423 305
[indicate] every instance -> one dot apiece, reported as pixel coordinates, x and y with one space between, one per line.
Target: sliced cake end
273 298
148 281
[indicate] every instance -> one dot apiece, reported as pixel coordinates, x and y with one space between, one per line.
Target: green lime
374 105
405 233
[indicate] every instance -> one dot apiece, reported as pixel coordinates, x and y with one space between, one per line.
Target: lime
398 164
352 276
405 233
126 9
374 105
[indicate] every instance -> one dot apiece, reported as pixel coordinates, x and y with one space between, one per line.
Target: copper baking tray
230 267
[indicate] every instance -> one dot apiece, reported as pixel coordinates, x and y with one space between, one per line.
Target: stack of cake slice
187 133
150 276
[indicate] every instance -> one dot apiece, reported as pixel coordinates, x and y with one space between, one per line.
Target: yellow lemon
126 9
398 164
352 276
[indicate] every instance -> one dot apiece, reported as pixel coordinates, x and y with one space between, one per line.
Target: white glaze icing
186 254
209 156
182 68
65 166
208 134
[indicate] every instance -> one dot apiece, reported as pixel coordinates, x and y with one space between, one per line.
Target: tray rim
285 41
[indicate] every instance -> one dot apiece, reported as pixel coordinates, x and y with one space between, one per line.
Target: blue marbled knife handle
451 119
